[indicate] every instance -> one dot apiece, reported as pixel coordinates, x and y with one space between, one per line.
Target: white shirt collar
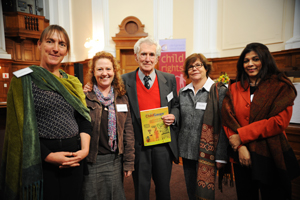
209 82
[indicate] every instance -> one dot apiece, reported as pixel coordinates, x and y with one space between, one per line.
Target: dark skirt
62 183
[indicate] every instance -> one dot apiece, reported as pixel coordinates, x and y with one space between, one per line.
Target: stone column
205 27
101 37
3 53
163 19
294 42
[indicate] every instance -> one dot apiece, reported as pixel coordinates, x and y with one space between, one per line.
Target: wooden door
127 61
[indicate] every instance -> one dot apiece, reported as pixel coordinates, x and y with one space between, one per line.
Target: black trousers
61 184
248 189
190 168
155 161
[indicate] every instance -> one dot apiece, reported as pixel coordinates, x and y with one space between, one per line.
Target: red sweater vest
148 99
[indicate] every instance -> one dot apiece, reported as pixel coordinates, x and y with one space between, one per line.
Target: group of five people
62 143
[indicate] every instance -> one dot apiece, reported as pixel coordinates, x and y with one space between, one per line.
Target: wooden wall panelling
296 60
18 52
68 67
28 48
284 62
37 53
9 44
4 82
223 65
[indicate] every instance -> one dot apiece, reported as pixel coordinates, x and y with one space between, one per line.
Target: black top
104 148
252 89
56 118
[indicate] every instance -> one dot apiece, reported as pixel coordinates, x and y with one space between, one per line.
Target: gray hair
147 40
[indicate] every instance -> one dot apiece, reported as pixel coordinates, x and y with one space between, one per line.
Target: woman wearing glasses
199 103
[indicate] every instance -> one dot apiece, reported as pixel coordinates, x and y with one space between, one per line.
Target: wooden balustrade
24 25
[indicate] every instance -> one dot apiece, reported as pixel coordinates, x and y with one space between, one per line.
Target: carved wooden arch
131 27
131 30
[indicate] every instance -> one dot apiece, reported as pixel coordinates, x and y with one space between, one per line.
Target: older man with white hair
149 88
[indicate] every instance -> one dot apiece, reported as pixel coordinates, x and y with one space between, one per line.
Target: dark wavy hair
117 83
268 64
191 59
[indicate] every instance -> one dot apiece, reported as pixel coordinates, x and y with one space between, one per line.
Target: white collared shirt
209 82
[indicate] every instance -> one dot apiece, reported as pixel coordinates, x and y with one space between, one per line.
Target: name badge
22 72
170 96
201 106
122 108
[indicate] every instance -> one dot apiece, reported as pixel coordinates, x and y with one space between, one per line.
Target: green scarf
69 87
21 170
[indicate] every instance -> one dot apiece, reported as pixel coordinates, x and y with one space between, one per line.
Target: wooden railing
24 25
31 23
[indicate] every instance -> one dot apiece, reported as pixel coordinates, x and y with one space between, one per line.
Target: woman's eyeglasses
197 66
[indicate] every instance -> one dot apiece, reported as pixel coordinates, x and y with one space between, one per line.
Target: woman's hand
244 156
168 119
80 154
127 173
77 157
58 158
235 141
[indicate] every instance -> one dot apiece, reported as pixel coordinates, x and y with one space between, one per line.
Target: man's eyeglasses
197 66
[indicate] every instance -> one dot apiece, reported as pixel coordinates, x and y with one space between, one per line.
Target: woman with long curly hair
112 139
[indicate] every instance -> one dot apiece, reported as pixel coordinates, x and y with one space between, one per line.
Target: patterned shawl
208 142
273 160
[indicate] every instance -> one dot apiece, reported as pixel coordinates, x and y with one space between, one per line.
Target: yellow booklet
154 129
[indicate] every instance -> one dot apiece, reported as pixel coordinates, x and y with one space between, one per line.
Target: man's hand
127 173
168 119
88 87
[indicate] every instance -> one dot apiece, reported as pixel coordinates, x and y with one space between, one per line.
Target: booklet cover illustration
154 130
